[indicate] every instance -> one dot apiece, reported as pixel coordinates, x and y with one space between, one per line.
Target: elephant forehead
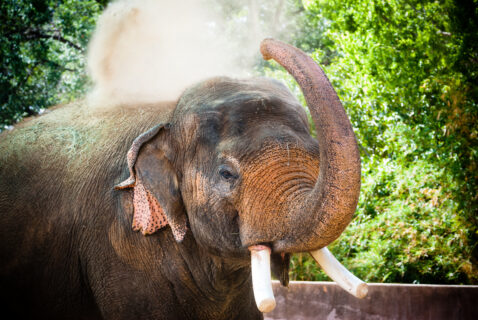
237 99
220 89
250 121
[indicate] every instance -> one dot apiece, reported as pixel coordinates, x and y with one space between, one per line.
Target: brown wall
325 300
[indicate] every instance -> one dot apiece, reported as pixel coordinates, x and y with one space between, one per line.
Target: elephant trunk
328 209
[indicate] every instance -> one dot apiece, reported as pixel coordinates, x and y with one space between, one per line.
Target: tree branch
37 34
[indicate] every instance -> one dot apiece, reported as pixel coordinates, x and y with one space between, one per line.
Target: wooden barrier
325 300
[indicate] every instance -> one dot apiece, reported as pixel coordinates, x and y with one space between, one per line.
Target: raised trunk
329 207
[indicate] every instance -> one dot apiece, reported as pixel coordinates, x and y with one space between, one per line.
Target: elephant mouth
279 262
261 257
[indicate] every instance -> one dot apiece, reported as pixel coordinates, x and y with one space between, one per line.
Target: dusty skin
67 232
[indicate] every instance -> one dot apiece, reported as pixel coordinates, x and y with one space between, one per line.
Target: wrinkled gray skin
67 247
232 163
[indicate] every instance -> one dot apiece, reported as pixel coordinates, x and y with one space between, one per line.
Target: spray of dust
145 51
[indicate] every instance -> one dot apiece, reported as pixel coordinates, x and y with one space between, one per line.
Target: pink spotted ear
148 216
157 200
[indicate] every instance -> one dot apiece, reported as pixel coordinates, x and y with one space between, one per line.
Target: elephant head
237 166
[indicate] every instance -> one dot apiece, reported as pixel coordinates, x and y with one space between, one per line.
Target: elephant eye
226 173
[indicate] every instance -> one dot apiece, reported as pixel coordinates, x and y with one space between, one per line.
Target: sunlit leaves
415 118
42 63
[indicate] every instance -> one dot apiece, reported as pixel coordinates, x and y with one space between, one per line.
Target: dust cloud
146 51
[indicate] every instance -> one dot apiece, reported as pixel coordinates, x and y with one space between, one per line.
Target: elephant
148 211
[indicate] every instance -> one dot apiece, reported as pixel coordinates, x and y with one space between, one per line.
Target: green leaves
406 72
415 117
42 63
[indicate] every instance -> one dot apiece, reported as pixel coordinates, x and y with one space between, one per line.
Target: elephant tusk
335 270
261 278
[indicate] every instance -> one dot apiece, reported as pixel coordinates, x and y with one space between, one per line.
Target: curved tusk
261 278
335 270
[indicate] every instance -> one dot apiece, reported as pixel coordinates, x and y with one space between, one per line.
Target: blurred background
406 71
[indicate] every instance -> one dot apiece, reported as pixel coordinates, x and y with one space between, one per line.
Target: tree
407 73
42 63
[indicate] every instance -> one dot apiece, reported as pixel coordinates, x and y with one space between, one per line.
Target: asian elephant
229 165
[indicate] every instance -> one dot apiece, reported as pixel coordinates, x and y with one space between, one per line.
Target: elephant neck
208 285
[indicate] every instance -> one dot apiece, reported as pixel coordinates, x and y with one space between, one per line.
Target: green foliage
407 229
42 46
407 74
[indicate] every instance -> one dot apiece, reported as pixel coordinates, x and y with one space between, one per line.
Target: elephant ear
156 198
